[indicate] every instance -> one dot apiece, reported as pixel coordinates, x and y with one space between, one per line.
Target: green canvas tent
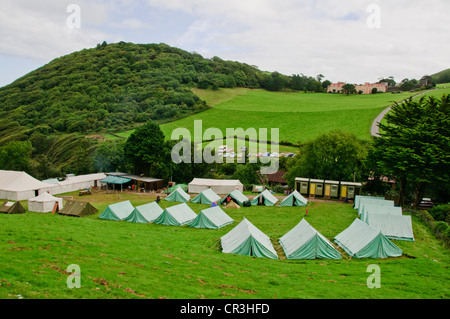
178 195
359 198
392 226
246 239
265 198
360 240
379 209
77 209
294 199
211 218
366 202
208 196
177 215
144 214
12 208
304 242
117 211
236 196
171 189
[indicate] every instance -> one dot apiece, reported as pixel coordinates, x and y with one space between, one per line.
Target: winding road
375 130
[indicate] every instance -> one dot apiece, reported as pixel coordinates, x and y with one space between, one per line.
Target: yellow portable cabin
316 187
331 189
302 185
350 189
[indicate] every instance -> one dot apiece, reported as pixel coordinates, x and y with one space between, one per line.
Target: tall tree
336 156
146 151
348 89
414 145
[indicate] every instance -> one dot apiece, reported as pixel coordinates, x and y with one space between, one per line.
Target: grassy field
127 260
299 117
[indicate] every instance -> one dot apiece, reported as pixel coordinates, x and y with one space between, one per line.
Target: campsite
122 259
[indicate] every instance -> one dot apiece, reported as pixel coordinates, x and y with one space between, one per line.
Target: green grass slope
127 260
298 116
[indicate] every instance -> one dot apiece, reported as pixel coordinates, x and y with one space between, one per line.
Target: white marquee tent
219 186
15 186
44 203
75 183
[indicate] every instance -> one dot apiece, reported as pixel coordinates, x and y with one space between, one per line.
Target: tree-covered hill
442 77
113 87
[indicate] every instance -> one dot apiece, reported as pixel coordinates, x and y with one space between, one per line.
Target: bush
425 216
447 233
440 212
441 227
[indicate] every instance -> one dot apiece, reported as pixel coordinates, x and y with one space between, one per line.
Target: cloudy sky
345 40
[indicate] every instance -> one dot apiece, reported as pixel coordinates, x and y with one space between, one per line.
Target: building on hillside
276 179
426 80
365 88
335 87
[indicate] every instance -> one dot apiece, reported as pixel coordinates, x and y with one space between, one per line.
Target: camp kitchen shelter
117 211
177 215
316 187
360 240
305 242
116 180
236 196
359 198
15 185
246 239
12 208
44 203
211 218
265 198
178 195
146 213
141 183
331 189
77 208
392 226
219 186
294 199
364 204
350 190
379 209
208 196
302 185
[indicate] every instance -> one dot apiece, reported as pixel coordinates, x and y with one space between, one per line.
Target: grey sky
329 37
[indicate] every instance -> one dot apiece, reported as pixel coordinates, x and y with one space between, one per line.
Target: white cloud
290 36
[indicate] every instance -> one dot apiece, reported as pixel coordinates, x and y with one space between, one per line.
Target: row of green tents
385 217
379 222
177 215
208 196
303 241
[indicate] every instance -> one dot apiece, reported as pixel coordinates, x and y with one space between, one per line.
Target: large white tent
219 186
75 183
44 203
15 185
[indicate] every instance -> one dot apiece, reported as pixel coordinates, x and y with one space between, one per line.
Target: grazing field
127 260
300 117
